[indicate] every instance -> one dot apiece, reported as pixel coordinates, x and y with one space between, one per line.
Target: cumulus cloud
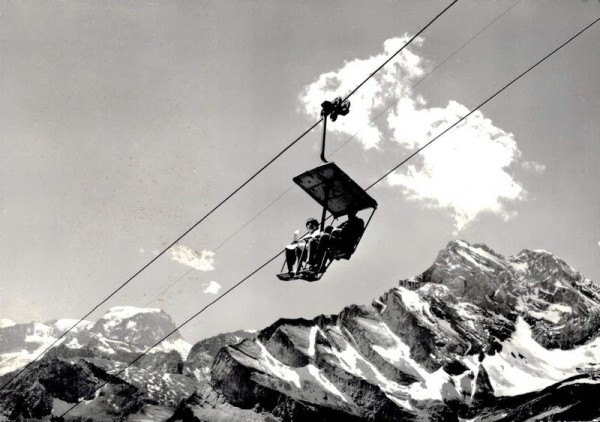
213 287
201 261
467 171
534 167
371 97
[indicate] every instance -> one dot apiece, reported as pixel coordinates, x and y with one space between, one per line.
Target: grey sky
122 123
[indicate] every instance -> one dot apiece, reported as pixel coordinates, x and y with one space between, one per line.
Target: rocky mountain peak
477 335
449 335
560 303
203 353
141 327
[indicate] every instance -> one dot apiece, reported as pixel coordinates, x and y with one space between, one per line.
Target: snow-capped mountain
88 356
125 329
478 336
122 330
21 343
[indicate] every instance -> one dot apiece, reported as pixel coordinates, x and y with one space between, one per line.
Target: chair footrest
342 255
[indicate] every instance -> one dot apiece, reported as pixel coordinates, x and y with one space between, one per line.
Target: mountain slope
475 328
86 359
478 336
90 356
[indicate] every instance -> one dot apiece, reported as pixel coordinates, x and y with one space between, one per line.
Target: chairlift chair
339 195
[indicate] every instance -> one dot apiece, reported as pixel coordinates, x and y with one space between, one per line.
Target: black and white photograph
317 210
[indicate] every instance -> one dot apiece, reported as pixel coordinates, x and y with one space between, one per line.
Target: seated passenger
340 240
303 249
345 236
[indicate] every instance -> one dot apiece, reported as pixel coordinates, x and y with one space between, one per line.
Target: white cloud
372 96
213 287
533 166
467 171
201 261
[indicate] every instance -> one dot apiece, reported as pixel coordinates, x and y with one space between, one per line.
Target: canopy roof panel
334 190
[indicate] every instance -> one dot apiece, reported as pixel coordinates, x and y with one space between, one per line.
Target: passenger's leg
290 258
301 252
321 249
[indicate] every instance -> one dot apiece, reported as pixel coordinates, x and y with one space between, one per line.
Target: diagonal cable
231 236
217 206
400 50
387 108
428 74
369 187
482 104
181 326
55 342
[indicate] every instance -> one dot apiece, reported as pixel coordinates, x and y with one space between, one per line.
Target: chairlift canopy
334 190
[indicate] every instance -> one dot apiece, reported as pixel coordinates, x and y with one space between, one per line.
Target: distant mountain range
478 336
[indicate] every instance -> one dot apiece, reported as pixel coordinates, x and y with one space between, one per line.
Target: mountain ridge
477 335
448 339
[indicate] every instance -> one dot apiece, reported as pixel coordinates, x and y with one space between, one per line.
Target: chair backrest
350 236
353 231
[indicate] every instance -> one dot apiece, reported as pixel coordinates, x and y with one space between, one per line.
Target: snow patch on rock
524 365
354 363
276 368
118 313
5 322
67 323
553 313
321 379
312 338
179 345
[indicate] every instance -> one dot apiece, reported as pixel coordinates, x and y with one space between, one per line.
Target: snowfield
524 365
